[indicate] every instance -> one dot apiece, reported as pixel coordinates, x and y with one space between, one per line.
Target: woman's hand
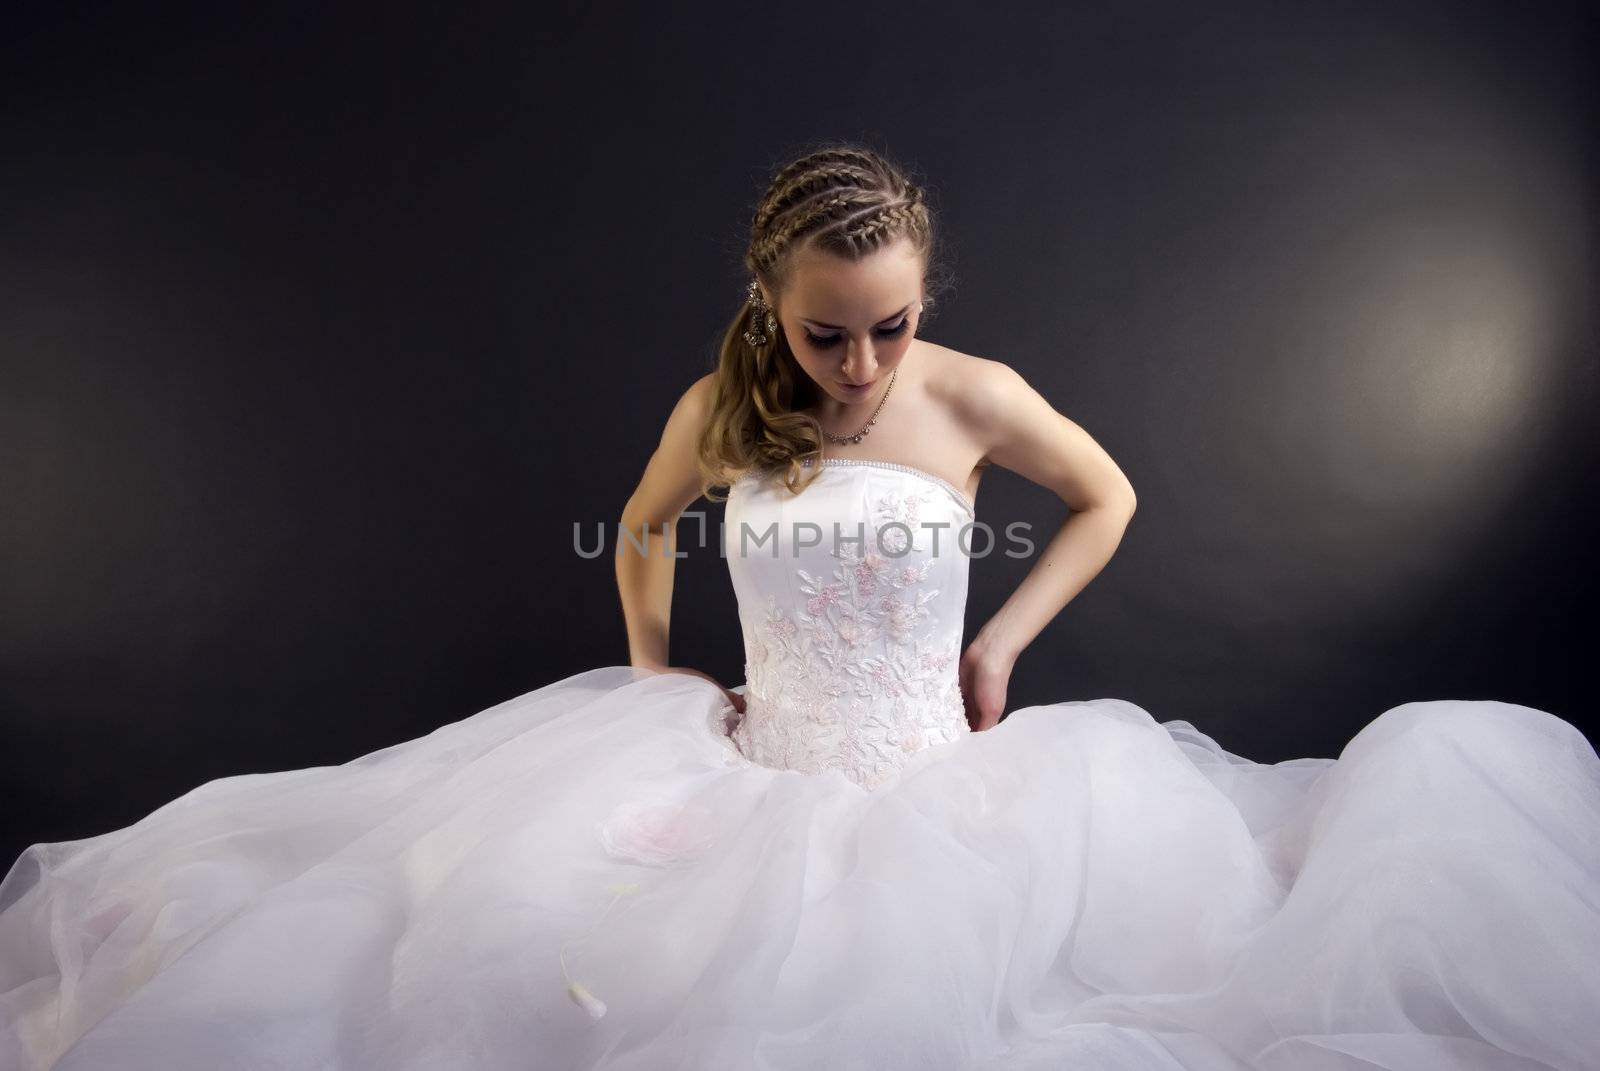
734 698
985 674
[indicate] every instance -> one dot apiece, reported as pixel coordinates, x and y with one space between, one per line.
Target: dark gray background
320 331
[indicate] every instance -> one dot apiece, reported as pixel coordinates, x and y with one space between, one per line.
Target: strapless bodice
852 597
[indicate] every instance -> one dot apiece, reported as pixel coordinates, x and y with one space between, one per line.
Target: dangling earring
755 338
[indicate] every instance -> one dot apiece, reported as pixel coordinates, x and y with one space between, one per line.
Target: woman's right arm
670 484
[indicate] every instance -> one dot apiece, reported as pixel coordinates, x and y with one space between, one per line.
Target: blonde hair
845 200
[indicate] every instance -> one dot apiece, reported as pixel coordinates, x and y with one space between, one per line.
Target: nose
861 364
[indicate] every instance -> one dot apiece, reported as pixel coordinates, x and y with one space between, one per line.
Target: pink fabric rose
656 833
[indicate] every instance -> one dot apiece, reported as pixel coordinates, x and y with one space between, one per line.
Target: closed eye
824 341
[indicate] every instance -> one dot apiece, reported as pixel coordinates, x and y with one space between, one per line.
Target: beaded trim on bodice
894 466
852 644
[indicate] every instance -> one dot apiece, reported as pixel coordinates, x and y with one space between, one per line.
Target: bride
850 859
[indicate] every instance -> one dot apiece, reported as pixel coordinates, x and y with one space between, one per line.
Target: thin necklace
873 419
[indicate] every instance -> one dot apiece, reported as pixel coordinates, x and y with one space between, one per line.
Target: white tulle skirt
591 876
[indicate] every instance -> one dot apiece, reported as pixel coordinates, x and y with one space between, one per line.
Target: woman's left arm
1024 433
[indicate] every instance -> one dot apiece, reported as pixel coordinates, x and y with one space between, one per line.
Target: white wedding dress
599 874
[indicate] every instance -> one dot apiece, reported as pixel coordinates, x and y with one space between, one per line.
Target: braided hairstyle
844 200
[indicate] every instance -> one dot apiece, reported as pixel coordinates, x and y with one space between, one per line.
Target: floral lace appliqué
857 675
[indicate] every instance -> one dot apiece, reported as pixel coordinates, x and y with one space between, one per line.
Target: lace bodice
851 600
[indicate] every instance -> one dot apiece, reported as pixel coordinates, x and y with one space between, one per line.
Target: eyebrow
836 327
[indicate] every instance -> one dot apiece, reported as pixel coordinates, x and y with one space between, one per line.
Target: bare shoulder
696 401
974 391
1018 429
980 378
688 417
690 413
671 479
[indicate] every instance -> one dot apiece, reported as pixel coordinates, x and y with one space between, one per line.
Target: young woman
848 861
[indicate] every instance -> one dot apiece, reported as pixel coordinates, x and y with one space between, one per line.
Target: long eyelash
883 332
